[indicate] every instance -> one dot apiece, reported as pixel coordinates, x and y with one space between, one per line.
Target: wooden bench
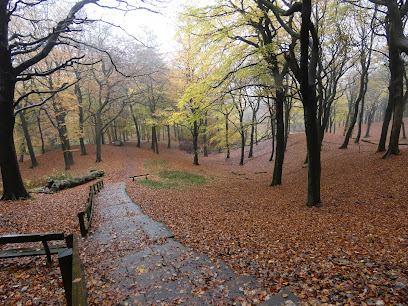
46 249
134 177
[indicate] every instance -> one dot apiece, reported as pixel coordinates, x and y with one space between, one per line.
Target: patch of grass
156 164
183 177
158 184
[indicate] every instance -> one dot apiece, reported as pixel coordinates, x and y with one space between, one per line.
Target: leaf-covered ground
352 250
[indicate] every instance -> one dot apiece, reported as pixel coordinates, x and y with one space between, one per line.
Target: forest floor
351 250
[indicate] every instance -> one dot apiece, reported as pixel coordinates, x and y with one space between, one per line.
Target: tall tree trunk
115 130
155 145
273 132
22 152
280 137
370 118
241 161
98 136
40 131
365 64
168 137
360 121
226 115
396 87
251 141
27 137
195 142
256 134
78 93
153 138
308 92
175 131
287 122
13 186
136 126
386 122
205 139
404 136
66 146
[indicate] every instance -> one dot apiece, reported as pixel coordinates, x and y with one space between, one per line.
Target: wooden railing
72 272
88 211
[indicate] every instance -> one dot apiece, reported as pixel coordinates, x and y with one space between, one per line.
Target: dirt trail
137 258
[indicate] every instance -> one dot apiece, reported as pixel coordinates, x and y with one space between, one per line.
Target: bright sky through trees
160 23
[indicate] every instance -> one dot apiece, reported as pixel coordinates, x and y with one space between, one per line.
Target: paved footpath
164 272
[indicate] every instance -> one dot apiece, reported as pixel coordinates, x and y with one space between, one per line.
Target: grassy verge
170 179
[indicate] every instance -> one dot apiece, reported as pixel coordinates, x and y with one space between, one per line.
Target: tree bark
251 141
40 131
386 122
287 121
272 131
205 136
370 117
13 186
155 145
360 121
309 101
27 137
63 135
395 32
280 137
98 136
195 143
136 126
241 161
78 93
168 137
365 64
396 88
226 115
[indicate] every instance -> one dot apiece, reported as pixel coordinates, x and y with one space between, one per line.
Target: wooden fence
72 271
88 211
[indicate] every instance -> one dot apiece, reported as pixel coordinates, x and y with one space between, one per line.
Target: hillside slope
351 250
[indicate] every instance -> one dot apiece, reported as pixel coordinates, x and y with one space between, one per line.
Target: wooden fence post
79 296
65 263
82 223
72 272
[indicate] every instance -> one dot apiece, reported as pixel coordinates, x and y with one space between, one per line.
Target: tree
304 71
254 105
365 62
81 120
397 43
24 44
30 50
25 127
110 92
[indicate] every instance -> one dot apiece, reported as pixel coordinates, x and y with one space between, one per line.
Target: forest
290 112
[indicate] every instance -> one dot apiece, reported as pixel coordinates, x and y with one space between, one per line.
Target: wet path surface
151 268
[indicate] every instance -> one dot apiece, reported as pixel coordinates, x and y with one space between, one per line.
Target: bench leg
47 250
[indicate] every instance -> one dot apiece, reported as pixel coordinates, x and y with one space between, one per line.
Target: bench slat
34 251
133 177
31 238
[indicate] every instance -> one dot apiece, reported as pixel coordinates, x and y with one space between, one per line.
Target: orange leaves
344 252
